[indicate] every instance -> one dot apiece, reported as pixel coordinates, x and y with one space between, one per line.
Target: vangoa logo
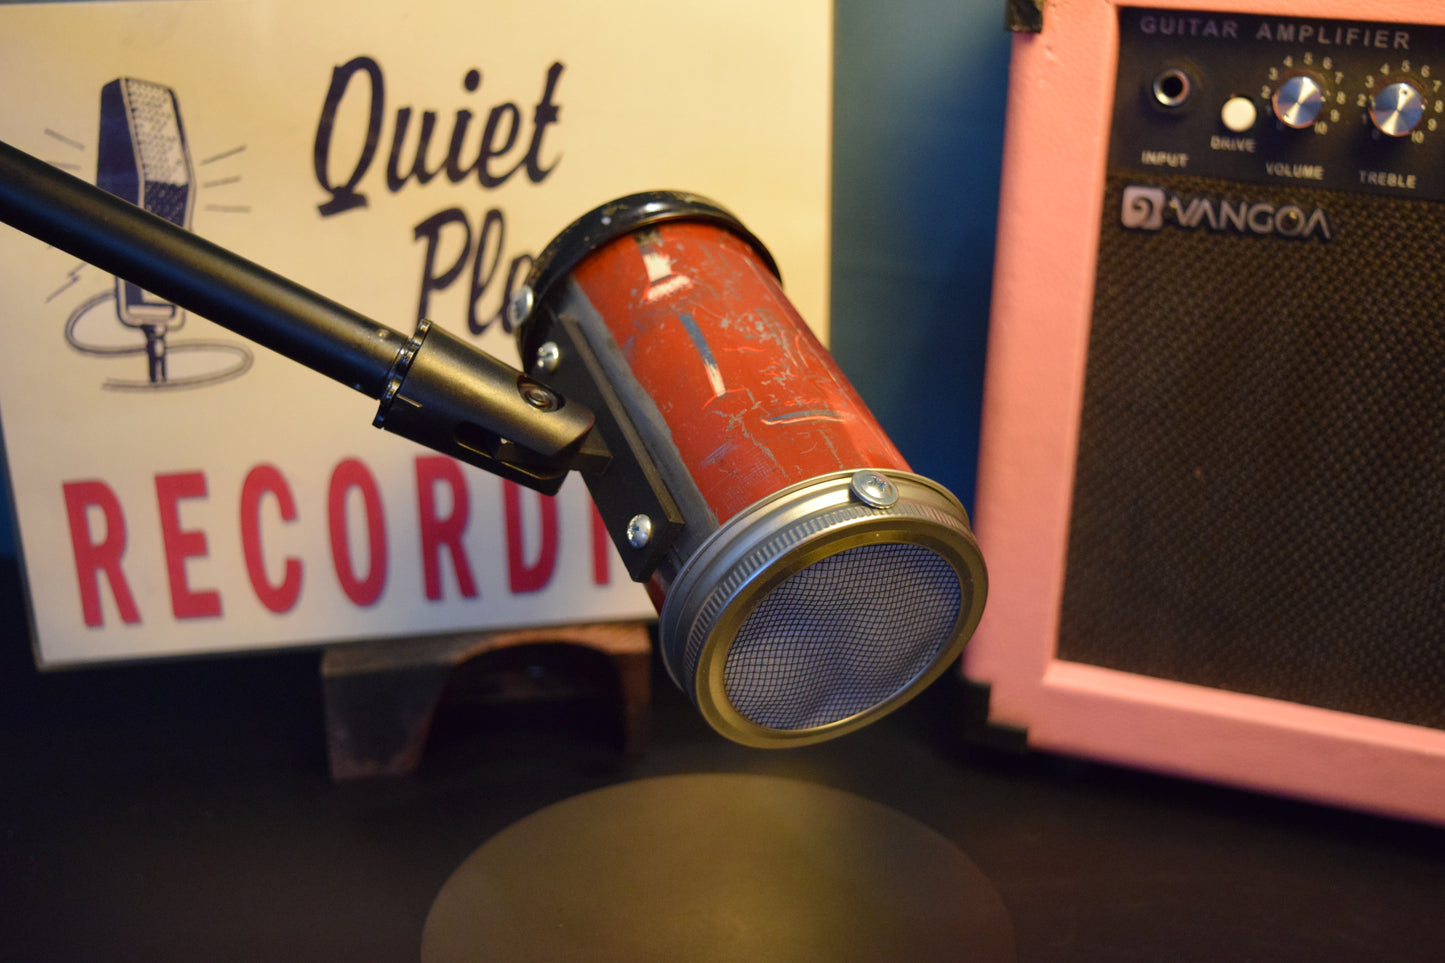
1147 208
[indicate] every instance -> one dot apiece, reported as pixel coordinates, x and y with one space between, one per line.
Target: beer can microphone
807 581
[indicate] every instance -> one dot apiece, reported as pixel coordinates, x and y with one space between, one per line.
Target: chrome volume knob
1397 109
1298 101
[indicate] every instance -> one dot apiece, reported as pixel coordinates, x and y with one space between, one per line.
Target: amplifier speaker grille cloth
842 635
1259 501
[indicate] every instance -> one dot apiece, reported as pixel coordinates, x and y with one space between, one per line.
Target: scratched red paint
752 398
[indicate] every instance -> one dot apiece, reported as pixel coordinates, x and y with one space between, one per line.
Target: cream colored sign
181 491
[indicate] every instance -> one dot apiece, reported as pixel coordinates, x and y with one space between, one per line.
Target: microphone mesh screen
843 636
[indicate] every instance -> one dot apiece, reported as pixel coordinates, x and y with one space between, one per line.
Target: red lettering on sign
273 522
93 558
351 474
261 481
181 544
521 575
601 550
438 532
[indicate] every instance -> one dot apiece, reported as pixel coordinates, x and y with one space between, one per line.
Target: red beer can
807 581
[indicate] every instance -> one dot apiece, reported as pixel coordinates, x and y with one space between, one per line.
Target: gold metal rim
754 553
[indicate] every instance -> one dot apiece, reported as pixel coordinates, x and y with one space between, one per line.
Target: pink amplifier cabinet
1212 474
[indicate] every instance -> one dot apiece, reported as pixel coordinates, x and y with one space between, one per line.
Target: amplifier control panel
1344 105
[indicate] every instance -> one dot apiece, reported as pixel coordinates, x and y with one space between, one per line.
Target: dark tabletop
183 811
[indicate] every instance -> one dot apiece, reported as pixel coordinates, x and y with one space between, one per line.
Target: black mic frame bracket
629 490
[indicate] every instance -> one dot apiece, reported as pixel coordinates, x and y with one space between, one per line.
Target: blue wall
918 136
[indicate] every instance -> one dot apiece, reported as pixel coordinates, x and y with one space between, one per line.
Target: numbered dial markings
1305 93
1402 101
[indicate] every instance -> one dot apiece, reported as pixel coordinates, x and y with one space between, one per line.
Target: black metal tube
179 266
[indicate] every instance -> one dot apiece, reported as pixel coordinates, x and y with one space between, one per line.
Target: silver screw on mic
873 489
639 531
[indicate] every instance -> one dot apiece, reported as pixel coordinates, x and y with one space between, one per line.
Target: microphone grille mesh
842 636
814 612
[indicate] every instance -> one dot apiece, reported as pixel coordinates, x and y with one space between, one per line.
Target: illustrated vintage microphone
807 582
143 158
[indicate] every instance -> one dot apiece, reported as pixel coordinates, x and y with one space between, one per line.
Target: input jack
1172 88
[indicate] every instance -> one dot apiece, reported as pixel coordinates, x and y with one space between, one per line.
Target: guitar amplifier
1212 460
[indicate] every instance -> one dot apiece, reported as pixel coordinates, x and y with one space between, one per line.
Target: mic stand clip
444 393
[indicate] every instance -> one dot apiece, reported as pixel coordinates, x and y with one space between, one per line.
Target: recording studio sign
178 489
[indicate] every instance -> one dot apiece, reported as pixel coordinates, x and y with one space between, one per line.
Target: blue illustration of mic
143 159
